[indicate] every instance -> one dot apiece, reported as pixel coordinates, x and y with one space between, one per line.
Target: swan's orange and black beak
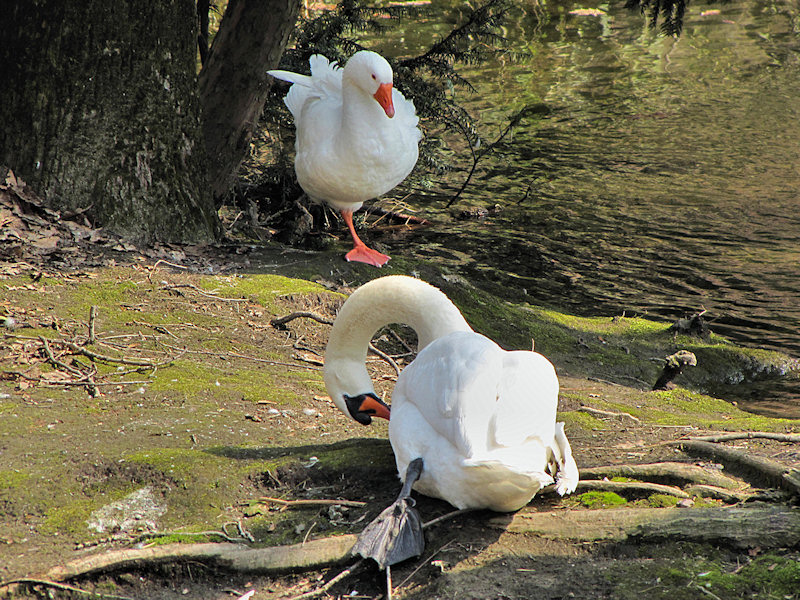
365 406
384 98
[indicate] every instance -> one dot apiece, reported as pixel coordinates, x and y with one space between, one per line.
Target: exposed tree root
748 526
753 468
717 493
639 488
233 557
749 435
673 473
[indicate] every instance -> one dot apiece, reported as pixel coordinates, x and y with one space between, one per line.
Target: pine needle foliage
670 12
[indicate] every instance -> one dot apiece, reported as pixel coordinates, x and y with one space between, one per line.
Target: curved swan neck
393 299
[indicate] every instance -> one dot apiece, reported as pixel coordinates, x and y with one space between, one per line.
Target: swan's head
371 73
351 391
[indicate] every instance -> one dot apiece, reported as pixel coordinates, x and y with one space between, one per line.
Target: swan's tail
566 470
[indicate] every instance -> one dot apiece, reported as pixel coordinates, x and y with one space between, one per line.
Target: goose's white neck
362 116
393 299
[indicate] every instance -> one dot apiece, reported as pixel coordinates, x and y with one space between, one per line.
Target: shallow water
665 180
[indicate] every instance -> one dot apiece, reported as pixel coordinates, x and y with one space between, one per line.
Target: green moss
598 499
11 479
189 379
68 518
262 288
661 501
582 420
625 326
693 576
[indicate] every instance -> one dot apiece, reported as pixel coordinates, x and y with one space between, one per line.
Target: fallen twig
748 435
348 571
385 357
319 502
158 262
55 362
606 413
328 585
59 586
203 292
280 322
92 319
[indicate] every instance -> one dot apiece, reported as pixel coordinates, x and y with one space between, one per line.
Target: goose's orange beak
384 98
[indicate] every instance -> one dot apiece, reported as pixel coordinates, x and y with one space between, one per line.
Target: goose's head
369 72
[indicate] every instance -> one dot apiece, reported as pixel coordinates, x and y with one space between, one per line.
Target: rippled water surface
664 180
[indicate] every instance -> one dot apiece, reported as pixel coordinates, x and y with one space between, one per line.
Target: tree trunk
234 82
100 112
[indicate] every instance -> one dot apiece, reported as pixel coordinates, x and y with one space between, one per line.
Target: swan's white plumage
347 149
483 419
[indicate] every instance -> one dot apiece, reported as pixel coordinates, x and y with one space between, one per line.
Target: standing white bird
471 423
357 136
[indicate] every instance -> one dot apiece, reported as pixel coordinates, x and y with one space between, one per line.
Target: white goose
357 136
481 419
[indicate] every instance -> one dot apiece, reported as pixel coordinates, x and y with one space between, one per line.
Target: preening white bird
469 422
357 136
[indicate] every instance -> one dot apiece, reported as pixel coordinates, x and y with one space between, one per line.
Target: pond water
664 180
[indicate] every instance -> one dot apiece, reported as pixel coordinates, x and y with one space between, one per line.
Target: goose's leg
396 534
360 251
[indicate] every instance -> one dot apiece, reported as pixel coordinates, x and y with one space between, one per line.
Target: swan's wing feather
527 399
453 385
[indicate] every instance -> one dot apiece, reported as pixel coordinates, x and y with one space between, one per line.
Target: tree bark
99 109
234 81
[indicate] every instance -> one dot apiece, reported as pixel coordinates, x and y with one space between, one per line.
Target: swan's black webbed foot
396 534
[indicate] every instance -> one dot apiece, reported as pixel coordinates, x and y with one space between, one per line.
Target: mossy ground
230 415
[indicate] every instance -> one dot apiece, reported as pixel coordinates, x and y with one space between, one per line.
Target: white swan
357 136
482 419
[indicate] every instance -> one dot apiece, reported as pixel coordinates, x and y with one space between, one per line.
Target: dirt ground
175 407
